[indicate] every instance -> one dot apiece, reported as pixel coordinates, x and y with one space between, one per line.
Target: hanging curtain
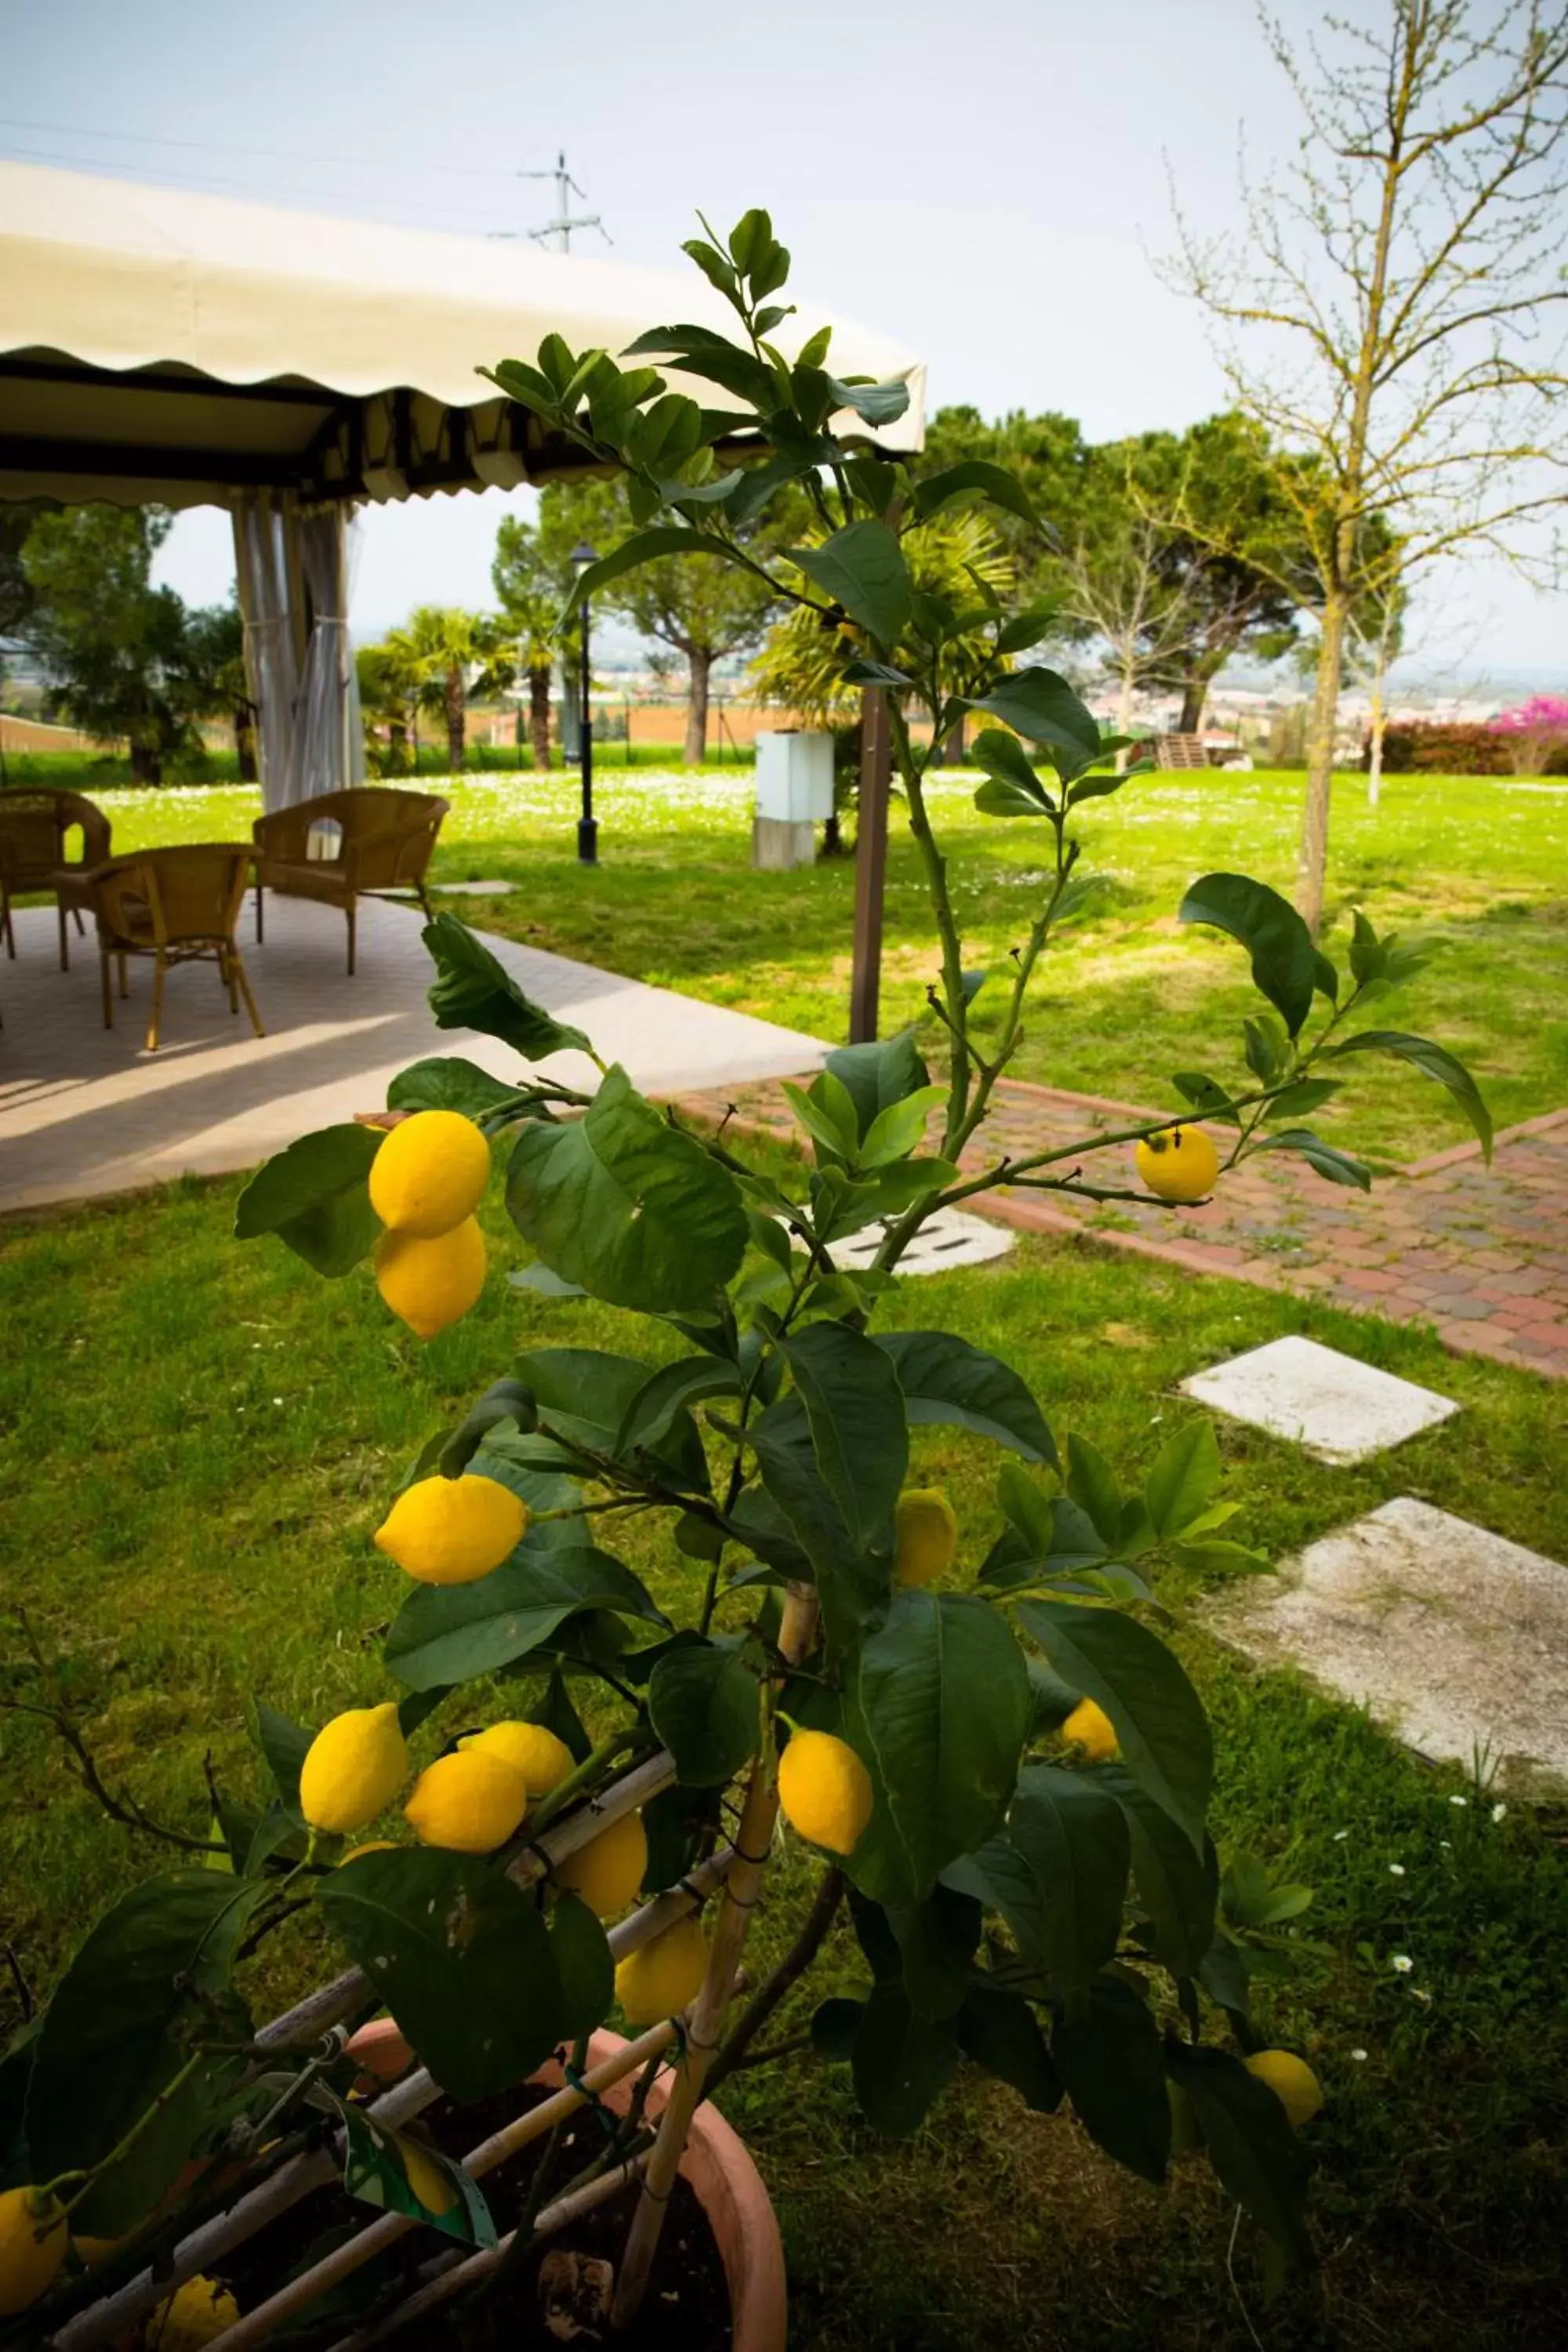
262 563
326 748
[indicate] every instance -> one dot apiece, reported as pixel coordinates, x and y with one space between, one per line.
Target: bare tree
1124 595
1396 293
1375 635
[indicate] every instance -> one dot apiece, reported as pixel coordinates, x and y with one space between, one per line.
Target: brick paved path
1480 1253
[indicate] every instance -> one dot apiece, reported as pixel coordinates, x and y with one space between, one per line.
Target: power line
166 174
274 154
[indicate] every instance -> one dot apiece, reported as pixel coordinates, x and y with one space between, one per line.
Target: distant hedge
1444 749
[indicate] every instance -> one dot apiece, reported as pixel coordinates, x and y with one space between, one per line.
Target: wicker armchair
177 905
385 840
35 823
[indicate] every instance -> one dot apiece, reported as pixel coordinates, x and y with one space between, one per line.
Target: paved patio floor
86 1110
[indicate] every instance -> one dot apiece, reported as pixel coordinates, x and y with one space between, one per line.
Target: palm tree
449 653
531 592
389 696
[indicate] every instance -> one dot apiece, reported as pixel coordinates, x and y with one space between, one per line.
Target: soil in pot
554 2297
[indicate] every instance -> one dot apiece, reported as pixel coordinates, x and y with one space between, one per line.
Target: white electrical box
795 776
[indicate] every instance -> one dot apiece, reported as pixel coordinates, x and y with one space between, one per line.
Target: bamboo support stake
301 2292
103 2322
453 2279
705 2030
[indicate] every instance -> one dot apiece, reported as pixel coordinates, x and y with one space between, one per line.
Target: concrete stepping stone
1338 1408
1452 1638
950 1240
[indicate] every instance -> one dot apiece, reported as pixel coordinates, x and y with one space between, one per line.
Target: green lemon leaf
473 990
315 1196
459 1955
1159 1718
623 1202
1284 960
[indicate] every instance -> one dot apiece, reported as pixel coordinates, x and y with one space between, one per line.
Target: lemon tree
977 1729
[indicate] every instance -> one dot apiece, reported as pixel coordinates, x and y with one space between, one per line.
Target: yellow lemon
429 1283
825 1789
927 1529
426 2178
1180 1163
1090 1727
665 1976
93 2251
1292 2082
543 1760
468 1802
32 2247
196 2314
429 1174
607 1873
453 1530
356 1765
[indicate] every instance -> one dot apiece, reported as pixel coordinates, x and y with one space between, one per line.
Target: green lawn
199 1438
1478 866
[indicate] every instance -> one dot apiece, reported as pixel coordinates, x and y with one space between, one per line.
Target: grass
1477 865
201 1438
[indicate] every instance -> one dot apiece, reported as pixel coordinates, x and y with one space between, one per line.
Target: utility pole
565 221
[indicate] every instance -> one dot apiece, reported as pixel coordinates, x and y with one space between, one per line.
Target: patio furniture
384 839
34 822
177 905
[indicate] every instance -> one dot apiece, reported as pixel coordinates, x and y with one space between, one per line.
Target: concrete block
1338 1409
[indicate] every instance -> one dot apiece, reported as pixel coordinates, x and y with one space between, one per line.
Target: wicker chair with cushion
384 841
177 905
36 824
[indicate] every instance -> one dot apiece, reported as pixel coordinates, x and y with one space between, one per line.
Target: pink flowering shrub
1537 730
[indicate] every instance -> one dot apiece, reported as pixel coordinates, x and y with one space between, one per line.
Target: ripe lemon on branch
429 1174
825 1791
543 1760
429 1283
607 1873
1292 2082
469 1803
1090 1727
196 2314
926 1526
453 1530
665 1976
32 2247
1180 1163
354 1766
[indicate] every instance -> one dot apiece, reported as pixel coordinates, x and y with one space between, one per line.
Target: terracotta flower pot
719 2169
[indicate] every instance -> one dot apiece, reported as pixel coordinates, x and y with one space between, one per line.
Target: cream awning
159 345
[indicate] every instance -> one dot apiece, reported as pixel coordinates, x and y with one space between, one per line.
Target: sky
989 184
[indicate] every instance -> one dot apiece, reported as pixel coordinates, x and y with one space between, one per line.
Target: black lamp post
587 828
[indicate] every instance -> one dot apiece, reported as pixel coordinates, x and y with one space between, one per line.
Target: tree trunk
539 713
456 720
1195 701
1374 748
244 742
1312 871
696 751
146 766
1124 717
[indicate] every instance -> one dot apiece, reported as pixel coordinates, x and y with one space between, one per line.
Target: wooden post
705 2020
870 865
